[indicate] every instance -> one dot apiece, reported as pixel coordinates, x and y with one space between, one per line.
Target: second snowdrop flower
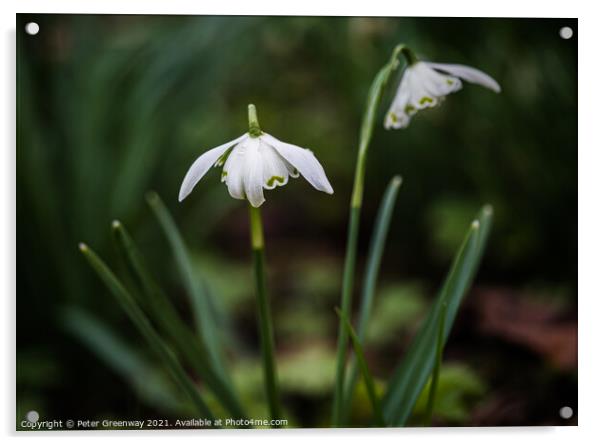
425 84
256 161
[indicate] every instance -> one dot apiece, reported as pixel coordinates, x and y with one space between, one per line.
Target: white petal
418 95
253 173
303 160
402 95
292 171
275 170
469 74
397 117
233 173
438 84
425 89
202 165
396 120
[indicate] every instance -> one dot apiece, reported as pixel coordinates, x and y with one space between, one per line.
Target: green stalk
348 273
254 128
266 329
374 97
436 370
186 343
265 320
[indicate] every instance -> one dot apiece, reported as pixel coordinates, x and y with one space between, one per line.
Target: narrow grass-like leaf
123 359
377 246
127 302
436 370
413 372
201 307
186 343
485 219
363 365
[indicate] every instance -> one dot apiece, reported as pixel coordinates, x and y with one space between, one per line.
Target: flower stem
254 128
374 97
265 319
409 55
348 274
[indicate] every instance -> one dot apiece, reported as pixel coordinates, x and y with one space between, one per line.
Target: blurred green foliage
458 387
399 306
112 106
458 384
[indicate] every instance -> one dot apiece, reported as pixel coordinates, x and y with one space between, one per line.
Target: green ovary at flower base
251 163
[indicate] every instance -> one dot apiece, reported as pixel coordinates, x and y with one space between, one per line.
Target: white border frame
590 221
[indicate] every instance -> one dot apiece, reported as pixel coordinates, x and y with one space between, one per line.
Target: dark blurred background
110 107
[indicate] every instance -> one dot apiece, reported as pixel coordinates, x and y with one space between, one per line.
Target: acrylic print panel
295 222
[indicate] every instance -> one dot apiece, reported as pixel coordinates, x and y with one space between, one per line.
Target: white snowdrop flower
256 161
425 85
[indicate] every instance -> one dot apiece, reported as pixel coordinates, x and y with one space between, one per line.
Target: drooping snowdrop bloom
425 85
256 161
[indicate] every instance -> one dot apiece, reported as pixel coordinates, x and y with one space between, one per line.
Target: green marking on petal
450 82
393 117
426 100
220 161
273 179
409 109
224 174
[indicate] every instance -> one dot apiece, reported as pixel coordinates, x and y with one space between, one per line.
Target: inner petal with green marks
275 169
274 179
220 161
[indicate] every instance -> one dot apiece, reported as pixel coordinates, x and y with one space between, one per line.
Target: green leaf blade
413 372
363 366
196 288
162 311
437 368
137 316
122 358
377 246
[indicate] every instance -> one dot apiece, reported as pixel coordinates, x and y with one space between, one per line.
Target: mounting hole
566 412
32 28
566 32
32 416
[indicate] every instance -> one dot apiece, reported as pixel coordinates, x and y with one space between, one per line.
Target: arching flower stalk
251 163
369 119
423 85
